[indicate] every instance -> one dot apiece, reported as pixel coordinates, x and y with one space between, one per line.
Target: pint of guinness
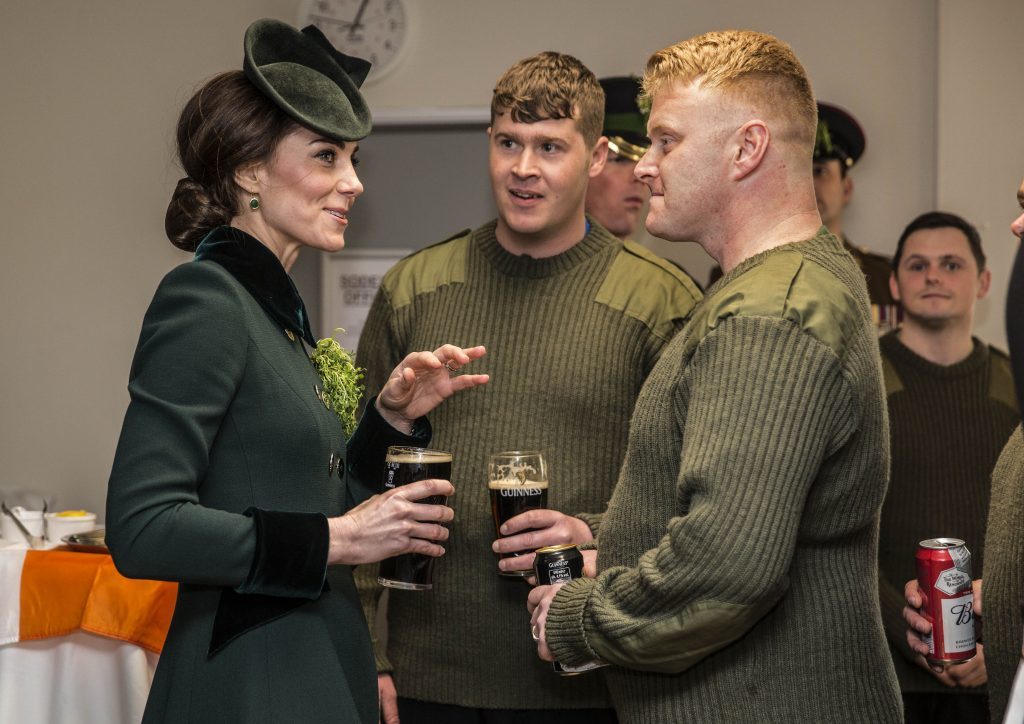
517 482
404 465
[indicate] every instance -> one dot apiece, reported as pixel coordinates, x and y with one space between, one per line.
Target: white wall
980 144
91 92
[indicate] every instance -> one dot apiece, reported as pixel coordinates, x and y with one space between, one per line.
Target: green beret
839 136
308 79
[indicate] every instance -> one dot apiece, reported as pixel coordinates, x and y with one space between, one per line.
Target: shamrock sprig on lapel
341 380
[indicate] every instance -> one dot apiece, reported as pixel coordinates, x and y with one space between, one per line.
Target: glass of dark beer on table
518 482
404 465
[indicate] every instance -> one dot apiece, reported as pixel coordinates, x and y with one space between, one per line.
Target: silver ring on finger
450 367
534 632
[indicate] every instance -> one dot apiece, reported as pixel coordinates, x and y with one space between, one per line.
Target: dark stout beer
404 465
518 482
509 498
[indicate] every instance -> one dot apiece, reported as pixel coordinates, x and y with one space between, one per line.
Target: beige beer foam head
417 455
516 483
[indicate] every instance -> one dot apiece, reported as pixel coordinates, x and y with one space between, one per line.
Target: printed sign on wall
350 281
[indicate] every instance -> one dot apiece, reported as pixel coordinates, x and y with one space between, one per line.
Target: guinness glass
517 482
404 465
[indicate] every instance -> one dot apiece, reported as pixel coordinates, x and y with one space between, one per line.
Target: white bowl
31 519
58 526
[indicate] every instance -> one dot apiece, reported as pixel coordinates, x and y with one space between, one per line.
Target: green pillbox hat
308 79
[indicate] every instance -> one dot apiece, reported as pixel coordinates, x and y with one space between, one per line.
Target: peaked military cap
308 79
625 124
839 135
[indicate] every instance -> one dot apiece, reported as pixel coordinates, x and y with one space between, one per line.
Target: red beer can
944 575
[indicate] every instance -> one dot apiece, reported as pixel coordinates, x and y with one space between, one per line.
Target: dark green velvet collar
260 272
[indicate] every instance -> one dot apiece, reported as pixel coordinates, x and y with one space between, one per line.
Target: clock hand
356 25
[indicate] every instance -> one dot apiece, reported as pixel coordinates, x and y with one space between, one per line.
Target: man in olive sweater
1004 538
952 407
737 560
574 320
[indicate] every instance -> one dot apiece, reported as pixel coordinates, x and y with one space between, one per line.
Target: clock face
370 29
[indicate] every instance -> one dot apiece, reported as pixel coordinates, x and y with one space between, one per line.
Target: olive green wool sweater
738 554
948 424
570 340
1003 590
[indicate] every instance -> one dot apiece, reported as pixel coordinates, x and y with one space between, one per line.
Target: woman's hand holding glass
391 524
394 522
423 380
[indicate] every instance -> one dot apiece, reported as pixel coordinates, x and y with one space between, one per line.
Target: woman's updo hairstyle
227 124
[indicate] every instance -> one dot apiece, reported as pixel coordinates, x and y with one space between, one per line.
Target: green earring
254 202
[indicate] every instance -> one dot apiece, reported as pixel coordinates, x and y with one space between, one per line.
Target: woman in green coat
232 475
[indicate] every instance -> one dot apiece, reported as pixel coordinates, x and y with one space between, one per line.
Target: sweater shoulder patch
428 270
786 285
1000 385
890 377
648 288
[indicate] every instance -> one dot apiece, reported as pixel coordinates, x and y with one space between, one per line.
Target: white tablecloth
79 678
76 679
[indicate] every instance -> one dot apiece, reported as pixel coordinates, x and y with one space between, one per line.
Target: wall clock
372 29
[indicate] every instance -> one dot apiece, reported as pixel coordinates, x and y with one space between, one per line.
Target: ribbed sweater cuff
593 521
564 626
384 665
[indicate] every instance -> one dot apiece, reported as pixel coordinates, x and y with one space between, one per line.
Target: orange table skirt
62 591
